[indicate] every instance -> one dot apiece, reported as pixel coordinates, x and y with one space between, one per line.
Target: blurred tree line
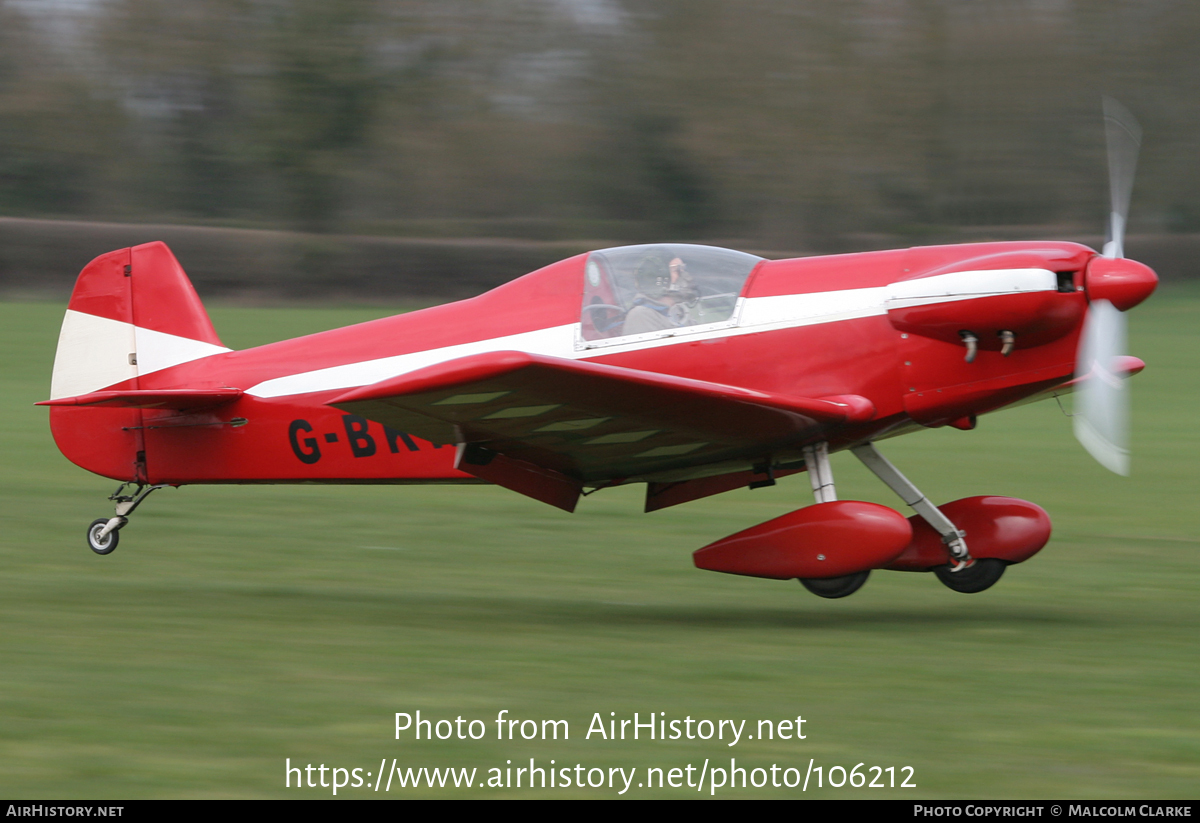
775 123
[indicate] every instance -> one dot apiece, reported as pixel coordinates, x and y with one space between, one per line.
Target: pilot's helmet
653 277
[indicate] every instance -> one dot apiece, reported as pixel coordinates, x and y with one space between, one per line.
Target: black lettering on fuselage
362 444
392 436
306 450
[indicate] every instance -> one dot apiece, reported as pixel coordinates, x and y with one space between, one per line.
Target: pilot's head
680 275
653 277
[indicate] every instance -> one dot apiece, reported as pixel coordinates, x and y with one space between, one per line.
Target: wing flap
664 495
533 481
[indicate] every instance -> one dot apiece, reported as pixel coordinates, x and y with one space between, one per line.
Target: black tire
981 575
835 587
106 546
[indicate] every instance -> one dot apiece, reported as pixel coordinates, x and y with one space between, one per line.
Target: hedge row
43 257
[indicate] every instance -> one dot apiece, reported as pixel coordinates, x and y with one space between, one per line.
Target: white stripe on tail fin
156 350
133 312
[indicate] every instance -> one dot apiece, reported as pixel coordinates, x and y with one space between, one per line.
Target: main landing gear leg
964 573
820 474
102 535
954 539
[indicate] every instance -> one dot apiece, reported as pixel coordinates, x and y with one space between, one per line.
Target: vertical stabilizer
96 345
133 312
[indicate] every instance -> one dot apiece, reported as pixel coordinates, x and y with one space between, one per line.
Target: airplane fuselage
885 326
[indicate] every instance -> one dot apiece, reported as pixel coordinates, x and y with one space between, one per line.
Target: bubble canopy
654 290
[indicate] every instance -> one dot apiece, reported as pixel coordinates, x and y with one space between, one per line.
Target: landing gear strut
964 573
954 539
102 537
820 474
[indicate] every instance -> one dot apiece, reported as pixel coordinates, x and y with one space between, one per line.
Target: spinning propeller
1123 136
1102 400
1113 284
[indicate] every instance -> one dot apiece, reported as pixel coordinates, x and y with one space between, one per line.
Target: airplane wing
547 426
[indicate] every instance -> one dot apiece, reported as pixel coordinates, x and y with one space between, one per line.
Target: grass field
236 627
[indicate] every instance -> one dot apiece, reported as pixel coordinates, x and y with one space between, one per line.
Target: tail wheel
835 587
98 544
980 575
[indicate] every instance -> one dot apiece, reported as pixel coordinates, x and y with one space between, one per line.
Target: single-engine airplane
692 369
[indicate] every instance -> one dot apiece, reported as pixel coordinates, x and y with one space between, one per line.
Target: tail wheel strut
102 537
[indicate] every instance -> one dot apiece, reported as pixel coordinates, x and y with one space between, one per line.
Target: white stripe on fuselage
759 314
556 341
755 315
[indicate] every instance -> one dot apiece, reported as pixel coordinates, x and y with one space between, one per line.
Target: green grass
236 627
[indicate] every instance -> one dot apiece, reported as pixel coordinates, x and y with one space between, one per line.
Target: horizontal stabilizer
150 399
590 422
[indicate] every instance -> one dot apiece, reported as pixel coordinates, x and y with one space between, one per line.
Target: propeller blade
1102 400
1123 136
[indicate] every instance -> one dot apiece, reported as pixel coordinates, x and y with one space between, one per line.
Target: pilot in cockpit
667 297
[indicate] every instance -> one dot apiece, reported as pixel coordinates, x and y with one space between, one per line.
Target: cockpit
656 290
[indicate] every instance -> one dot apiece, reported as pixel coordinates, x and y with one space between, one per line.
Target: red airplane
692 369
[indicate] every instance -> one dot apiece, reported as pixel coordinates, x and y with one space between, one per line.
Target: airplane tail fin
133 312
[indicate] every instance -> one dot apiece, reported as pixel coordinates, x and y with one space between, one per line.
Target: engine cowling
1026 302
